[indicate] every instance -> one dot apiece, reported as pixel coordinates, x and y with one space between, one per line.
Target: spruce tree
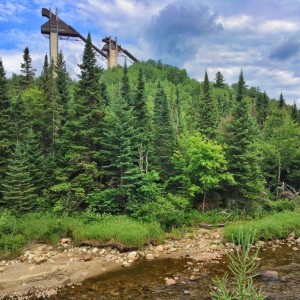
141 122
27 70
281 101
163 134
242 153
219 80
6 126
262 107
20 120
63 82
208 110
18 190
295 113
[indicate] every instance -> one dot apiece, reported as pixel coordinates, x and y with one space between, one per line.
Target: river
146 279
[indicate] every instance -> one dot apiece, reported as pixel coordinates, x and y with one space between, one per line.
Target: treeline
146 141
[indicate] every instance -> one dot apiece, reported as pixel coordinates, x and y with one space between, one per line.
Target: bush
279 205
167 211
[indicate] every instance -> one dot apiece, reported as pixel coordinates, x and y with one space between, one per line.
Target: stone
65 241
261 243
40 260
170 281
95 250
230 245
149 256
159 248
295 249
166 247
298 241
132 255
270 275
87 257
126 264
192 278
31 257
2 269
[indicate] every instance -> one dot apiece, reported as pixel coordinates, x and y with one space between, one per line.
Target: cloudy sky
262 37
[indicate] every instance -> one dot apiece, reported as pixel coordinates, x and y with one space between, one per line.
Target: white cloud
277 26
10 11
239 22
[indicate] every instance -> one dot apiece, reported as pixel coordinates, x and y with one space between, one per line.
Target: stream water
146 279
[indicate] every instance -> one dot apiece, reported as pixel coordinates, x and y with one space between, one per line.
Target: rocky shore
43 269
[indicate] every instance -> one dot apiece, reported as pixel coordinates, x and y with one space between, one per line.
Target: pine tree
27 70
141 122
36 162
219 80
6 126
281 101
262 107
63 82
20 120
163 134
208 111
18 191
125 87
295 113
83 131
242 153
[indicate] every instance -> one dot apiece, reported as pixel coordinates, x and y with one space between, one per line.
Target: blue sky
262 37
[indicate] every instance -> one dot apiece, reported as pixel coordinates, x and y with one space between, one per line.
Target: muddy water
146 279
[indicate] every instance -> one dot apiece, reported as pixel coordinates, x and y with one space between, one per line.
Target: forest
144 141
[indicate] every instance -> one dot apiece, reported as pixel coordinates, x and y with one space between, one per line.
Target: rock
270 275
2 269
87 257
298 241
192 278
260 243
196 270
65 281
173 249
170 281
40 260
295 249
166 247
132 255
65 241
126 264
149 256
230 245
95 250
31 257
159 248
214 247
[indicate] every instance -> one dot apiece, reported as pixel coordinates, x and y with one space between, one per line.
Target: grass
271 227
49 228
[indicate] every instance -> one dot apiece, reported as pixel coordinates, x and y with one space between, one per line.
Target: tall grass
275 226
49 228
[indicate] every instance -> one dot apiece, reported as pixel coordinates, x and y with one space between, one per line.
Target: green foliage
168 211
18 191
242 265
27 70
275 226
49 228
201 165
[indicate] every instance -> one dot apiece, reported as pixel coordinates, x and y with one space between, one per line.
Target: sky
261 37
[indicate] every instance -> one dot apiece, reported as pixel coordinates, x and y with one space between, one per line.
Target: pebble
170 281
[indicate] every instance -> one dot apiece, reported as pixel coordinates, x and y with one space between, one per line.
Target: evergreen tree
45 74
242 153
163 134
295 113
36 163
104 94
262 107
20 120
219 80
125 87
141 122
281 101
27 70
18 191
6 126
208 111
82 132
63 82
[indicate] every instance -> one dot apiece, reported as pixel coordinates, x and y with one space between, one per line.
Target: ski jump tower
56 29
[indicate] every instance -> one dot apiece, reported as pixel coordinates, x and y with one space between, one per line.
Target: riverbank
42 269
